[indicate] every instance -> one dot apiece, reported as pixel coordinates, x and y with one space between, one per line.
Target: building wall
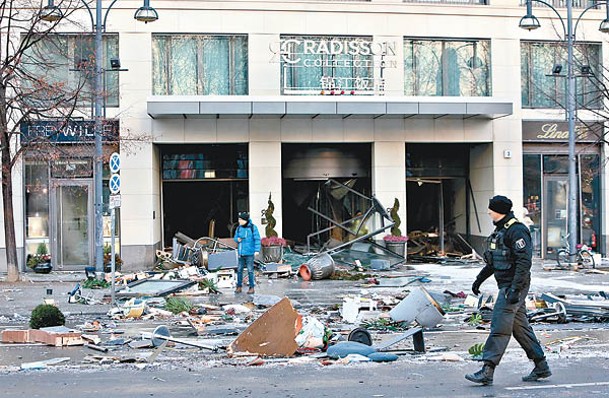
492 172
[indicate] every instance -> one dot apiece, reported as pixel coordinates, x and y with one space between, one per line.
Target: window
36 206
447 68
334 65
199 65
541 89
66 64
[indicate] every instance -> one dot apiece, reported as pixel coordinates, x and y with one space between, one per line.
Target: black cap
500 204
244 215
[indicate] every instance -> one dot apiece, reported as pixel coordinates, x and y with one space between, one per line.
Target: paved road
407 378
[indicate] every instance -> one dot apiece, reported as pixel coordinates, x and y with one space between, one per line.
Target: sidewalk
20 298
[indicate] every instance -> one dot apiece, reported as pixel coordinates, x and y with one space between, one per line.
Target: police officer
508 258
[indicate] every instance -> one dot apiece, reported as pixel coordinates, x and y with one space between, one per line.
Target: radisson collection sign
340 59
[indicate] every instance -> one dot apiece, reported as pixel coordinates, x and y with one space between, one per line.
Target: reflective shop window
447 67
36 206
545 169
341 65
199 64
543 89
532 199
60 66
590 197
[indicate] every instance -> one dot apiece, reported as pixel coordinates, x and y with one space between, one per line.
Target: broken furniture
203 252
581 310
161 334
420 307
374 207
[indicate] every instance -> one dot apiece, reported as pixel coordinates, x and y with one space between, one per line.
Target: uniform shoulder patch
520 244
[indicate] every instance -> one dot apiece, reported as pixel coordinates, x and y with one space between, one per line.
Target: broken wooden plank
273 334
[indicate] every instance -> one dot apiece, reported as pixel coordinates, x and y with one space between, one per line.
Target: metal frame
375 207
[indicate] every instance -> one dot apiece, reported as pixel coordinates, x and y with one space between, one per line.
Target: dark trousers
510 319
246 262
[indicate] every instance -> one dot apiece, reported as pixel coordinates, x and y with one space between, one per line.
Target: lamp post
53 13
530 22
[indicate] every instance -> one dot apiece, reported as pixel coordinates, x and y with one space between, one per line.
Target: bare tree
29 90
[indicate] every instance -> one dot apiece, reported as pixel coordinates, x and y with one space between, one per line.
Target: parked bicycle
583 255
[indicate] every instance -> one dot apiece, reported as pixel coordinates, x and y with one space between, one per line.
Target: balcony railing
563 3
474 2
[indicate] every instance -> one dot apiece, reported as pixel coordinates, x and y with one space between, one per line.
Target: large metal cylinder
319 267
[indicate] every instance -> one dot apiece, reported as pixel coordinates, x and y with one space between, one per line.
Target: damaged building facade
438 105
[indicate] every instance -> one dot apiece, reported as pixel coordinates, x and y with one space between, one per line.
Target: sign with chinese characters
341 65
71 131
545 131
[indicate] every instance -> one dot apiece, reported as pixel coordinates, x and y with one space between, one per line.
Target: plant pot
398 248
108 267
319 267
272 254
43 268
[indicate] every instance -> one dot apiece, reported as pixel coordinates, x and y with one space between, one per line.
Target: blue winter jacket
250 239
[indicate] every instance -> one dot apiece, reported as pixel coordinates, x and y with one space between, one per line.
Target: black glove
488 257
512 295
476 286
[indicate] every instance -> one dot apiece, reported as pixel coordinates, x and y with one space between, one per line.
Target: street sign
115 201
115 163
115 184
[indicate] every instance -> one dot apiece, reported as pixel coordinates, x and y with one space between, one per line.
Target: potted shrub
41 261
396 242
118 262
272 245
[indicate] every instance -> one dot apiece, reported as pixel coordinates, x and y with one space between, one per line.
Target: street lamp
52 13
530 22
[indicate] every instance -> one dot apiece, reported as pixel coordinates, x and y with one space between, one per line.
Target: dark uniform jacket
510 258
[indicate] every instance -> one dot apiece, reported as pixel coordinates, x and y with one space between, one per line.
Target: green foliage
476 350
46 315
384 324
269 231
42 249
95 284
475 319
210 285
393 212
178 305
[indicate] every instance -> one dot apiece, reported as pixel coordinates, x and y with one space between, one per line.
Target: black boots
541 371
483 376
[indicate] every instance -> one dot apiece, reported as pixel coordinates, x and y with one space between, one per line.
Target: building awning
167 107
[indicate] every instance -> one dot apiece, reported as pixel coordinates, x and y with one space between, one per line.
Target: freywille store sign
67 131
559 132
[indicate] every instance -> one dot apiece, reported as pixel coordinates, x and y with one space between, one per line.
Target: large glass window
199 65
447 67
60 66
532 199
542 89
590 197
545 200
36 206
332 64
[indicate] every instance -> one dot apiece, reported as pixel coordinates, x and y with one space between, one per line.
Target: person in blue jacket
248 245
